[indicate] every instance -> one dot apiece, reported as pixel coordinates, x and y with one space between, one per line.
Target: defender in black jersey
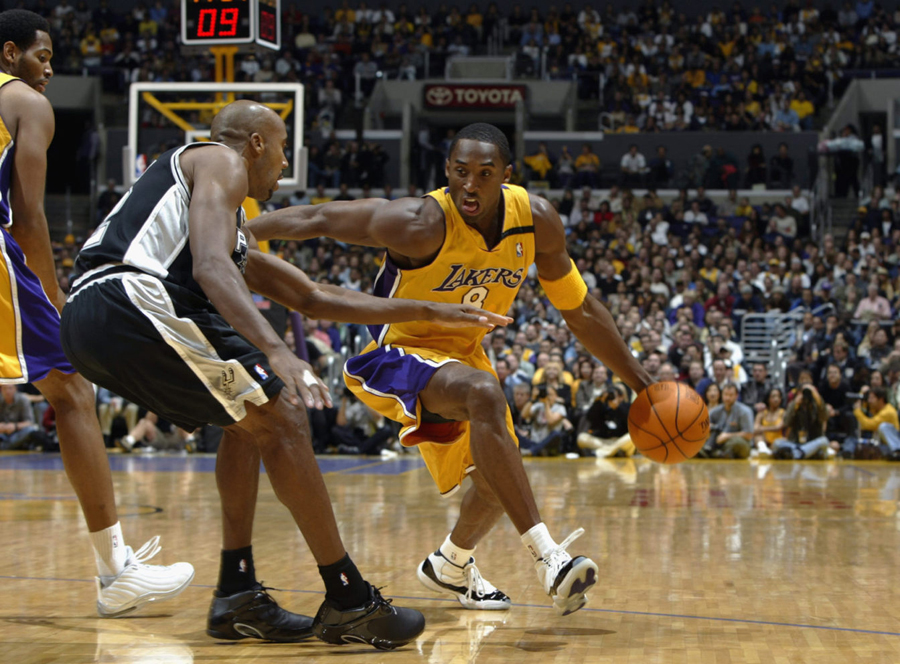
160 313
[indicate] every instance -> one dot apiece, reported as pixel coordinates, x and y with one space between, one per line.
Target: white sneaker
762 448
465 583
139 584
566 579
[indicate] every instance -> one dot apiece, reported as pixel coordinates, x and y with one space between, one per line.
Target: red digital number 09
206 26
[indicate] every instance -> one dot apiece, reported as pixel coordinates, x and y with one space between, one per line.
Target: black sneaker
377 623
255 614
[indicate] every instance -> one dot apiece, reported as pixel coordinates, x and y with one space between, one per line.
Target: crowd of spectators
710 169
657 67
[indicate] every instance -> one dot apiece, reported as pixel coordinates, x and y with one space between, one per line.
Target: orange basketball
668 422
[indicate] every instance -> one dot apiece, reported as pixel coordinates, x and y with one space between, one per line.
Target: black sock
236 572
344 585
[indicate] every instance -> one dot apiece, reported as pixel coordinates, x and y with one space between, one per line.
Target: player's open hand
466 315
301 383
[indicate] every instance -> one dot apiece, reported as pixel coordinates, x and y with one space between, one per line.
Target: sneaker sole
570 595
143 600
252 633
431 584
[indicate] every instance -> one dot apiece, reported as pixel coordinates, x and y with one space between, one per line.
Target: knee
484 396
68 392
277 424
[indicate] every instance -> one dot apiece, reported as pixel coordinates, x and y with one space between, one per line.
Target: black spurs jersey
148 230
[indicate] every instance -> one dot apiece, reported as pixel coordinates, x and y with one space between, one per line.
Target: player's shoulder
424 210
214 153
19 99
540 206
215 159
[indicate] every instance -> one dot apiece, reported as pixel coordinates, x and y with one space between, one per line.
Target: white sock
109 550
538 541
455 554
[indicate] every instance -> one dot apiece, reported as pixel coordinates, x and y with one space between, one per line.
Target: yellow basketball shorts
389 379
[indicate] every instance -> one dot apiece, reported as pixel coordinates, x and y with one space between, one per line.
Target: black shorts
164 348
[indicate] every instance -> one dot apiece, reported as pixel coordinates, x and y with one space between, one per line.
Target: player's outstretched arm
219 187
586 317
284 283
400 225
30 117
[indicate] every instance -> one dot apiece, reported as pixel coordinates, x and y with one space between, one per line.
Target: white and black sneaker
566 579
465 583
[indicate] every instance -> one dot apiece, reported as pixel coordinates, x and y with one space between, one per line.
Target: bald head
235 123
258 134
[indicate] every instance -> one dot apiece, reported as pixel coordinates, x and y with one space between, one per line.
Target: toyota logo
439 95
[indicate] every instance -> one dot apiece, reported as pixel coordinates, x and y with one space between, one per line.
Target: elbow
315 305
202 273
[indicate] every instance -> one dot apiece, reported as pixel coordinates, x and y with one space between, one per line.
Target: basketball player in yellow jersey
30 302
471 242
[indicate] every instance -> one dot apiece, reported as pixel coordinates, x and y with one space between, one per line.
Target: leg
125 584
546 443
816 448
478 514
16 440
81 444
891 438
278 433
237 478
451 569
145 428
736 448
458 392
281 433
374 443
624 444
105 416
782 448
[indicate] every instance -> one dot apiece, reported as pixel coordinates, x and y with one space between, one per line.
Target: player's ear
257 143
507 173
447 168
9 51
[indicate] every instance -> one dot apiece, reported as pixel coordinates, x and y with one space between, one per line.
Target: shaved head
235 123
258 134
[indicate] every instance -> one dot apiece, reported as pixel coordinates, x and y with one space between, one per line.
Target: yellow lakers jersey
465 271
6 162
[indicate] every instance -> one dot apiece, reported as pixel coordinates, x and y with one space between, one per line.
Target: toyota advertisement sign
461 96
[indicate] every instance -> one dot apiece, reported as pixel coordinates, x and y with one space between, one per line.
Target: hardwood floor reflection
704 562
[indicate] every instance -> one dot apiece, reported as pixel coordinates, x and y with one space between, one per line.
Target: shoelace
474 581
558 557
146 552
264 589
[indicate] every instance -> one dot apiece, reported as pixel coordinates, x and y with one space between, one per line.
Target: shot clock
231 22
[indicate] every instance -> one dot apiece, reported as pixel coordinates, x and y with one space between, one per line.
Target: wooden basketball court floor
707 562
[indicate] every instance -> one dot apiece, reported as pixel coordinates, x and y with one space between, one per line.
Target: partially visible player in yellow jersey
471 242
30 305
